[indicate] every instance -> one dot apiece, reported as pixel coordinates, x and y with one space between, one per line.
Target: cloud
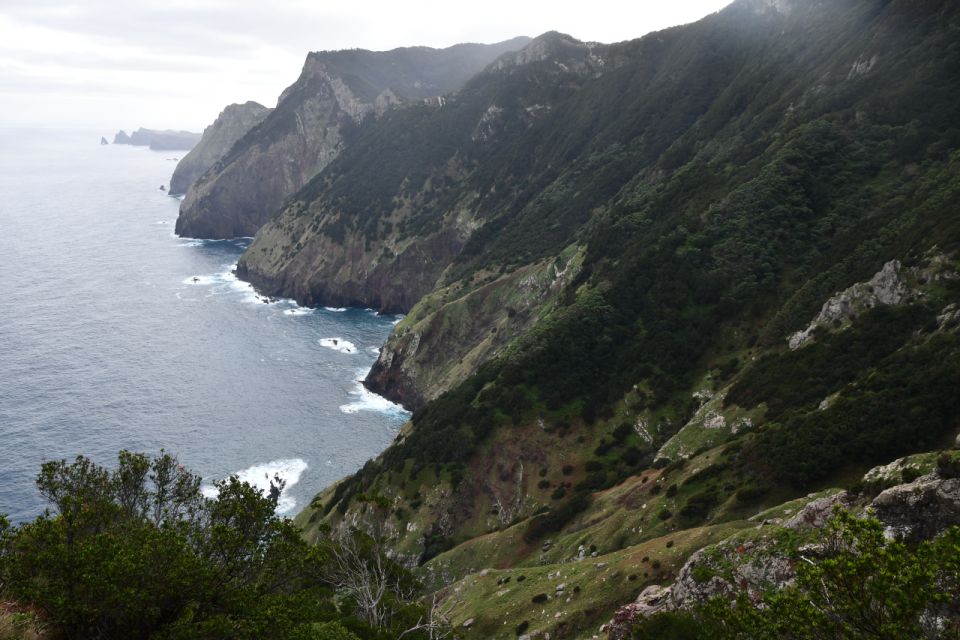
186 59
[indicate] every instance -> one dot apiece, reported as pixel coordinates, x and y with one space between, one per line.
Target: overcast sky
110 64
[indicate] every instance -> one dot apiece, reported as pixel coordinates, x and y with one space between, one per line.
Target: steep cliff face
234 122
388 241
314 116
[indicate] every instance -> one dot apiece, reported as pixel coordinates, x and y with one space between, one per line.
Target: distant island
166 140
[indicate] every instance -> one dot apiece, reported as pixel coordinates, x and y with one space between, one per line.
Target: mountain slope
335 91
511 169
232 124
653 287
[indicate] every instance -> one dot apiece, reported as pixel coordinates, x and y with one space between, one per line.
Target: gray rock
816 512
886 287
234 122
920 510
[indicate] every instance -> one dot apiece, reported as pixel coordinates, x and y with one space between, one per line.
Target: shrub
948 465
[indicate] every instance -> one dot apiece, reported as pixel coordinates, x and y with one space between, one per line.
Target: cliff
604 251
312 123
165 140
654 291
234 122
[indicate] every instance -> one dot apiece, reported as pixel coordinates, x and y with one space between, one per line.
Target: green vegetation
138 552
863 586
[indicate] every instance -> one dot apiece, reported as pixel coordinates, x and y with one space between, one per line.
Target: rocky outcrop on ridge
232 124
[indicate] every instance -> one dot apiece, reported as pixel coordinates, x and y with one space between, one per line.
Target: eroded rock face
335 92
449 335
651 601
920 510
298 139
234 122
887 287
894 284
815 513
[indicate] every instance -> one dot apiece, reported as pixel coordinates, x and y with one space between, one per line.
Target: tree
139 552
862 585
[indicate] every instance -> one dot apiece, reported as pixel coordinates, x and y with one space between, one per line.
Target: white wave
336 309
338 344
369 401
200 280
298 311
375 351
191 243
260 475
250 294
398 319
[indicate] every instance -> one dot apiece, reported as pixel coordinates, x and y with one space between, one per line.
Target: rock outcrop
886 287
165 140
914 511
921 509
894 284
312 122
234 122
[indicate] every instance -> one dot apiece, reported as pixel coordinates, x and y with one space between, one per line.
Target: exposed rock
103 140
894 284
234 122
920 510
815 513
336 90
862 66
448 334
949 318
886 287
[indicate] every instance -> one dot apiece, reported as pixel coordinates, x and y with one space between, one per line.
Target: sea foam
338 344
369 401
260 475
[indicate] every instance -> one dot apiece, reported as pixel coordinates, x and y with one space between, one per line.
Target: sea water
116 334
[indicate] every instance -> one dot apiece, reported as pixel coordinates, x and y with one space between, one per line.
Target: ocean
116 334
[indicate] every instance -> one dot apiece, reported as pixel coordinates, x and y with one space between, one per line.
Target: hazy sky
110 64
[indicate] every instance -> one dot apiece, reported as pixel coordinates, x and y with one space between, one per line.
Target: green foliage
138 552
669 626
948 465
556 518
904 403
864 587
861 586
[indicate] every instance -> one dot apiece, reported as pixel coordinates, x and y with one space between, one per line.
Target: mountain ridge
311 124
